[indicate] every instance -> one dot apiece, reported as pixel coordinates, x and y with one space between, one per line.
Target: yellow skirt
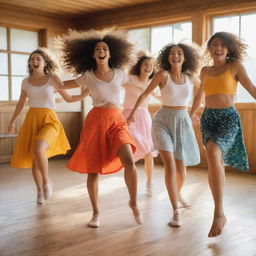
39 124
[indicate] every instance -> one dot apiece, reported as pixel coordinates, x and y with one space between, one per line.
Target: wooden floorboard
58 228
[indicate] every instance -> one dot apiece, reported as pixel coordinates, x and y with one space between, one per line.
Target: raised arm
158 79
72 98
57 83
244 79
69 84
18 109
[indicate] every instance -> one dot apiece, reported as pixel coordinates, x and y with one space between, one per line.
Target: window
15 47
241 26
154 38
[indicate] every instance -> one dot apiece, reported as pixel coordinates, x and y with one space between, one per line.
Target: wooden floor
59 227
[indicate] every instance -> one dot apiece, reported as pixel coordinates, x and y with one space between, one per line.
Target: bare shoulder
236 69
204 71
236 65
162 74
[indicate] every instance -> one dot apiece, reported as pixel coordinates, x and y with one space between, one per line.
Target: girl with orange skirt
105 144
41 135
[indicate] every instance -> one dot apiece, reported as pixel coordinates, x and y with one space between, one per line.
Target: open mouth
102 57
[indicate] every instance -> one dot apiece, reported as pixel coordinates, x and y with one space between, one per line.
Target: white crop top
39 96
103 92
176 94
133 89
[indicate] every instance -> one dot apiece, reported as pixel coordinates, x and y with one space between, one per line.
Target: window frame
41 35
239 14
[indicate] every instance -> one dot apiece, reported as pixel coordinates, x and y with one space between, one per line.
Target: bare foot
217 226
136 213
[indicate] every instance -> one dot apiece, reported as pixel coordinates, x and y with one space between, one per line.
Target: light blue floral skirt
172 131
223 127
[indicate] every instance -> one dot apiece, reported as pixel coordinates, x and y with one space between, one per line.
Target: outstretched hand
130 119
195 119
11 129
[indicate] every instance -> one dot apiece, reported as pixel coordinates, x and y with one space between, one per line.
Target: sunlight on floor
106 185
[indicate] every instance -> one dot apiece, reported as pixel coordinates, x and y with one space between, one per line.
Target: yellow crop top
221 84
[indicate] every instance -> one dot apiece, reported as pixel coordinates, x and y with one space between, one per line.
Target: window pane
160 36
141 38
182 32
250 62
16 87
23 40
3 39
3 64
19 64
4 95
229 24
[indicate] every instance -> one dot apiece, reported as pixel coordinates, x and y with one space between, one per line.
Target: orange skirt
39 124
105 130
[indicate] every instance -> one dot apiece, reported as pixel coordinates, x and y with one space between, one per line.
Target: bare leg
37 176
93 190
216 177
170 177
38 181
181 174
42 161
149 165
130 176
40 156
181 177
171 185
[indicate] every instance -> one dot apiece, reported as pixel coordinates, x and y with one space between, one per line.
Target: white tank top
103 92
39 96
176 94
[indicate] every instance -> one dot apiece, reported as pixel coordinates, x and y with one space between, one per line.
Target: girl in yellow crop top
220 122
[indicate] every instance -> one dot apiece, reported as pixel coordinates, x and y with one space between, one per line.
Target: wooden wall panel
247 112
161 13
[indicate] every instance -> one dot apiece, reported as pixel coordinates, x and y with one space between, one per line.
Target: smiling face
37 62
218 50
176 56
101 53
147 67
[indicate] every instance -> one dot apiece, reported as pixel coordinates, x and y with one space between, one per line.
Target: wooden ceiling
72 8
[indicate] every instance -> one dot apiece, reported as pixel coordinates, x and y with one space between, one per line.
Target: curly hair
189 66
78 48
50 65
135 69
235 45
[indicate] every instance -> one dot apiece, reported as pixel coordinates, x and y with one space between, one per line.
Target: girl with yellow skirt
105 143
41 135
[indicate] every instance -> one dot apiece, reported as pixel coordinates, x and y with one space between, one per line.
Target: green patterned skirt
223 127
